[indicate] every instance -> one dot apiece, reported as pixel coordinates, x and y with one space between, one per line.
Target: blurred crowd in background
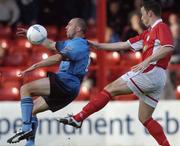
123 16
123 22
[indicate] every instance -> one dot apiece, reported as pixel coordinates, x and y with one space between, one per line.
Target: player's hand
141 66
22 73
93 44
21 32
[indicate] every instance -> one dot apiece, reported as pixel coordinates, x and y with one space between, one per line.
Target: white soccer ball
36 34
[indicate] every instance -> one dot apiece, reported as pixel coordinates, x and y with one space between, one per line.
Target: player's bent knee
109 88
117 89
35 109
34 112
143 119
25 90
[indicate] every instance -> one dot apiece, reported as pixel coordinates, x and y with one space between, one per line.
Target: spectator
135 26
115 21
137 4
92 18
86 10
51 12
9 12
175 29
173 19
169 90
2 54
168 5
29 11
80 8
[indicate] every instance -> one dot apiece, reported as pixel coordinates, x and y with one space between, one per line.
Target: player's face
71 29
145 17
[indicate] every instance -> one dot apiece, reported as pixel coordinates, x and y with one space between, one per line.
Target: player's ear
78 28
150 13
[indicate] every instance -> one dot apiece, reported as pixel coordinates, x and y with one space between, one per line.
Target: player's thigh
118 87
38 87
145 111
40 105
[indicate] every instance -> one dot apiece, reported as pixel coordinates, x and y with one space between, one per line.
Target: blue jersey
72 70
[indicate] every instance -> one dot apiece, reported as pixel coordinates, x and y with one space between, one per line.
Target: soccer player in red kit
146 79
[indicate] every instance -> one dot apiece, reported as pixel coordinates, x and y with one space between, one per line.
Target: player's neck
79 35
153 20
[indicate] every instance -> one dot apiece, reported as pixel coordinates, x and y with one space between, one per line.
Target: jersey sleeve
165 36
62 48
59 45
136 42
73 50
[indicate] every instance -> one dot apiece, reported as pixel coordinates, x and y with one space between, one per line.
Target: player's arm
134 43
46 62
46 43
166 41
111 46
161 53
54 59
50 44
164 35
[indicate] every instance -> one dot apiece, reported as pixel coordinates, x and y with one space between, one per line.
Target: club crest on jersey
67 49
144 48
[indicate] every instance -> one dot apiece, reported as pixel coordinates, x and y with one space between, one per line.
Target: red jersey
157 36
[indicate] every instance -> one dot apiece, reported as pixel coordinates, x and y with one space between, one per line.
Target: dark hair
153 6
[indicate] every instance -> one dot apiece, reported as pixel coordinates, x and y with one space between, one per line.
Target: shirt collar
156 22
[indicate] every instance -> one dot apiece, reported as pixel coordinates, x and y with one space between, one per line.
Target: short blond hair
82 24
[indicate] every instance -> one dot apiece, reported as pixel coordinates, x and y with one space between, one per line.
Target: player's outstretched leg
31 141
69 120
95 104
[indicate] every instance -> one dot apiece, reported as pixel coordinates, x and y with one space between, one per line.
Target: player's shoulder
162 25
144 33
79 42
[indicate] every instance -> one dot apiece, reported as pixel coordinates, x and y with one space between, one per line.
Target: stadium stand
19 49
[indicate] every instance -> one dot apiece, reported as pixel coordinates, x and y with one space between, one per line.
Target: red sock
94 105
156 131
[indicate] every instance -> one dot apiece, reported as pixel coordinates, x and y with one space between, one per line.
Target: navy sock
31 141
34 122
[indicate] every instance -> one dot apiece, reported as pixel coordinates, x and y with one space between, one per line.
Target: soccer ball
36 34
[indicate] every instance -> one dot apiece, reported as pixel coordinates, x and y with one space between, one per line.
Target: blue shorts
59 96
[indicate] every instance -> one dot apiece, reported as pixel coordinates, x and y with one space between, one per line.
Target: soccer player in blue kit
58 89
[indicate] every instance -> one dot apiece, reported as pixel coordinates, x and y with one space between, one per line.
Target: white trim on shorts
140 93
141 83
